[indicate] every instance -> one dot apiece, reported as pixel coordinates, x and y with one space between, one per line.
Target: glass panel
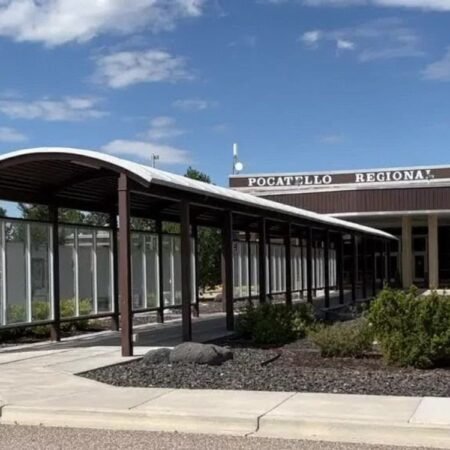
255 268
104 282
67 267
16 272
169 293
85 271
40 265
151 253
419 244
419 267
235 270
137 270
177 267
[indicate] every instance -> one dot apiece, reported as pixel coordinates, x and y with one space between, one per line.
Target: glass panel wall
138 270
85 248
16 257
152 267
104 273
41 295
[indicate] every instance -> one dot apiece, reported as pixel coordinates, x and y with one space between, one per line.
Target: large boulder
158 356
192 352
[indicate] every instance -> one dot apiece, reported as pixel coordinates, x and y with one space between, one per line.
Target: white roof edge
152 175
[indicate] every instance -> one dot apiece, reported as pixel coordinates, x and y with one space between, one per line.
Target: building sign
383 176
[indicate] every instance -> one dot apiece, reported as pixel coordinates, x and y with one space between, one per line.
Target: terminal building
411 203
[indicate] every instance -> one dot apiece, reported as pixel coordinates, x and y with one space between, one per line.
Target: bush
412 330
40 311
344 339
274 324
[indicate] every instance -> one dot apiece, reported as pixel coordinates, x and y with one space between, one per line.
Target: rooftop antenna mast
237 165
154 158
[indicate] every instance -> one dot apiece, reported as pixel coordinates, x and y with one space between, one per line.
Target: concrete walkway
38 387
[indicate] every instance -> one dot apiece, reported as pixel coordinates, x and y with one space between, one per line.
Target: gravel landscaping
294 367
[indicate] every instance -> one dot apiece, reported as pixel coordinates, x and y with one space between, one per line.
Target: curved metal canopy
86 177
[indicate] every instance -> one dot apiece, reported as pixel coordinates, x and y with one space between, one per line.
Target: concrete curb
352 431
129 420
241 425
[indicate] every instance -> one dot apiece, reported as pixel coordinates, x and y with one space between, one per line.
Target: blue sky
300 84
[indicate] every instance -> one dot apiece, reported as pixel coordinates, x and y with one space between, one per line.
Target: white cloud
65 109
56 22
192 104
123 69
311 38
143 150
342 44
439 70
386 38
11 135
152 141
162 128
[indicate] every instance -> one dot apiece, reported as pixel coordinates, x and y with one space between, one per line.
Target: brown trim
186 273
361 201
125 281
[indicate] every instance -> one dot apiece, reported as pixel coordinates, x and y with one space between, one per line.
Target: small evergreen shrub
343 339
412 330
274 324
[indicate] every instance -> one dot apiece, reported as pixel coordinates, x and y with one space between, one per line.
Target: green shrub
40 311
274 324
343 339
68 309
412 330
16 314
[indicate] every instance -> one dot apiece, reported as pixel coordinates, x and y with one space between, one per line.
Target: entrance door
420 261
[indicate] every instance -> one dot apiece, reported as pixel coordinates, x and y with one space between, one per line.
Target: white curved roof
148 175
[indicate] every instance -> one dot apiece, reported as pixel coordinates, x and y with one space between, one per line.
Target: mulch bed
294 367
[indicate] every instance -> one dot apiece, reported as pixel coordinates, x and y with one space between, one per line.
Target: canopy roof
87 179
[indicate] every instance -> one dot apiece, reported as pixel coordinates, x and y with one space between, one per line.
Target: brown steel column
227 265
186 272
340 267
249 265
309 268
195 237
55 327
288 255
262 260
115 281
364 266
354 265
160 312
326 258
126 314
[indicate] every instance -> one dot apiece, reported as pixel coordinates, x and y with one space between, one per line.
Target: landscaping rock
158 356
193 352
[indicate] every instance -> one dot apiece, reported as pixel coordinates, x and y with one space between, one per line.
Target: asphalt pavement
14 437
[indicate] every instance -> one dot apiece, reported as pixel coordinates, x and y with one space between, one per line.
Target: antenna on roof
237 165
154 158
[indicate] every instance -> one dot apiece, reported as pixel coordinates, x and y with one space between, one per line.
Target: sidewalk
39 388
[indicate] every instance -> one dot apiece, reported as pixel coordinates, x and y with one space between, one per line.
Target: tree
2 212
209 244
